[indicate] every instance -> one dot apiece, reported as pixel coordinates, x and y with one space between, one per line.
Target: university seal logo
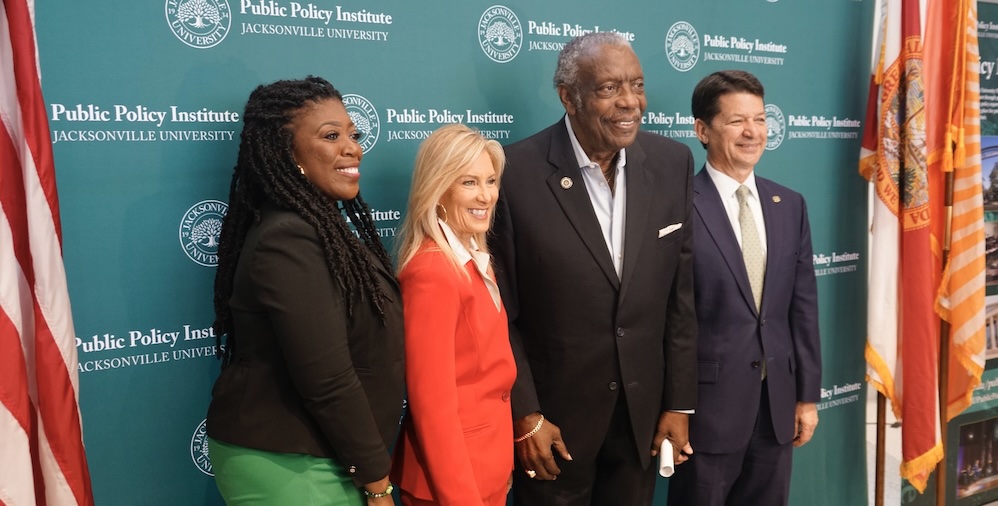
199 23
365 118
776 127
500 34
682 46
199 449
200 229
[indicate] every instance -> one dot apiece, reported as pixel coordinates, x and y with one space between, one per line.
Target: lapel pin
566 182
776 198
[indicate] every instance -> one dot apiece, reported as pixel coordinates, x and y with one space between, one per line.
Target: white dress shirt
726 187
479 258
608 205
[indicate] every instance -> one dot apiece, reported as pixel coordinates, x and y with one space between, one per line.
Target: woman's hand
379 487
387 500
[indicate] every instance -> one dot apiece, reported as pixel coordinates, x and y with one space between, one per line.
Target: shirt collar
463 255
580 154
727 185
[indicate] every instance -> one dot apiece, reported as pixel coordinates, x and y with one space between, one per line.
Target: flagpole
944 329
878 488
943 399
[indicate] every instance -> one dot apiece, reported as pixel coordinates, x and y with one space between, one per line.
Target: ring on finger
531 473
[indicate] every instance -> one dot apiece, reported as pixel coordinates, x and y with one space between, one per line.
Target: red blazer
456 445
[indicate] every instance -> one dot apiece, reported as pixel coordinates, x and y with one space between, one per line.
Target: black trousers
615 478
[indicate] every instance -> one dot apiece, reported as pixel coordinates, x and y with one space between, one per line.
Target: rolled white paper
666 466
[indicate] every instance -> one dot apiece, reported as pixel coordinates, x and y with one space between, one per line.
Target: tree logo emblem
500 34
776 127
199 449
365 118
682 46
199 23
200 229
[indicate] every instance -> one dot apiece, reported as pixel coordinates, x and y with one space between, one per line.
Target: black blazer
735 337
306 378
580 335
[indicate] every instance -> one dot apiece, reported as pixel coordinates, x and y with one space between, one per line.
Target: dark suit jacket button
756 364
505 396
612 385
620 332
352 469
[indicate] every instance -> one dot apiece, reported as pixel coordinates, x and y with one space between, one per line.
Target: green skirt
254 477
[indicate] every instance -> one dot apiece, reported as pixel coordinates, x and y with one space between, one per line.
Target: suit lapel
575 201
708 205
639 182
774 234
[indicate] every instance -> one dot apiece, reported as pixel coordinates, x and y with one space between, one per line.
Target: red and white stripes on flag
42 460
902 326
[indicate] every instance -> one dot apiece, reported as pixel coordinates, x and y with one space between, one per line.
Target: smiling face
611 102
736 136
471 199
324 145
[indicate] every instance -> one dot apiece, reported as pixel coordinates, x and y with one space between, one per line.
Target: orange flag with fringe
953 141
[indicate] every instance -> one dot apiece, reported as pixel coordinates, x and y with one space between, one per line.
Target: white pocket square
662 232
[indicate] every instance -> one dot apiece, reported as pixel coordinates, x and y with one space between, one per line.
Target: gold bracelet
532 432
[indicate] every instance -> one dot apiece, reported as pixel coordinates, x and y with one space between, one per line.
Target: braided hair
266 171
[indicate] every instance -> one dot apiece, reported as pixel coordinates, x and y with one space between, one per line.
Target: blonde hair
442 158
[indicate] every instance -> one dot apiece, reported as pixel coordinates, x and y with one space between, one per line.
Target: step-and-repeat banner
145 102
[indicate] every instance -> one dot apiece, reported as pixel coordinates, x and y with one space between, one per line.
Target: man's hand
806 421
676 428
534 453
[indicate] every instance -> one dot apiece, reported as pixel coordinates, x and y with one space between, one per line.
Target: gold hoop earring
301 169
444 210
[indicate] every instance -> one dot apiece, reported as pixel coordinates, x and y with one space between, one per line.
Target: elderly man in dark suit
592 244
759 355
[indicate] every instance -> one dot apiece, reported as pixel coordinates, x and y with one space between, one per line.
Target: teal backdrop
145 101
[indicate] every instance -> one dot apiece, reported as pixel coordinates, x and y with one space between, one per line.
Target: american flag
42 460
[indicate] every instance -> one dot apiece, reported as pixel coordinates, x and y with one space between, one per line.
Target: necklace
610 179
608 175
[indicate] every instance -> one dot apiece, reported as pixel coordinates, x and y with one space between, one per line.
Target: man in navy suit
759 355
592 248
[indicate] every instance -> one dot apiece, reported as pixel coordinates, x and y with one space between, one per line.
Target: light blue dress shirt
608 205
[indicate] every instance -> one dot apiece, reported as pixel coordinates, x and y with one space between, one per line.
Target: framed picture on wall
973 458
989 176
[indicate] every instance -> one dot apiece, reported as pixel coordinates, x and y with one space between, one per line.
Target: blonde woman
456 445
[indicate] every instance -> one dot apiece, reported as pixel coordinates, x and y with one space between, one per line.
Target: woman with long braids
310 393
